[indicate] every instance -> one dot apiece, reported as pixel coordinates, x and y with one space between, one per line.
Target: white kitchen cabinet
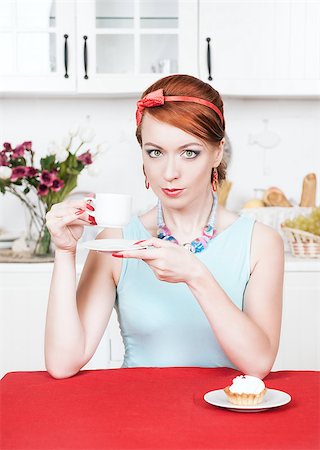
94 46
23 302
24 292
300 331
132 43
37 41
261 47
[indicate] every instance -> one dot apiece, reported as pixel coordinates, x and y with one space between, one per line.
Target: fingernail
80 211
92 220
138 242
117 256
91 208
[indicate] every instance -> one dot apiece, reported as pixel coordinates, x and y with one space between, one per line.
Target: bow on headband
156 98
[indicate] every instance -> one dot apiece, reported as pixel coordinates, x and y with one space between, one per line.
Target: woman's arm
77 317
250 338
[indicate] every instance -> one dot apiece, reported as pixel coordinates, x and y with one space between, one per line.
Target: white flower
93 169
52 148
74 129
86 134
5 172
65 142
61 155
102 147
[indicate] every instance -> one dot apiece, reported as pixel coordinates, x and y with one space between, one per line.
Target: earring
146 182
214 179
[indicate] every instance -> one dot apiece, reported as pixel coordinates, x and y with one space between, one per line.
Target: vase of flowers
38 188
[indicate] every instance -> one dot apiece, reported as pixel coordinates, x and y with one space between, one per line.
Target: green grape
310 223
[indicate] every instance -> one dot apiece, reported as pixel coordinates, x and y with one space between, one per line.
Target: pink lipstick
173 192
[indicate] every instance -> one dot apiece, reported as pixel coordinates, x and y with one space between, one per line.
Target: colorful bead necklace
198 244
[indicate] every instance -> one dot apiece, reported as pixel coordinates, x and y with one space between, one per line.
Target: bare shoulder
266 241
267 244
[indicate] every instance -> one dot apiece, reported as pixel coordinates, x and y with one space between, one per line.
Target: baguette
273 196
309 188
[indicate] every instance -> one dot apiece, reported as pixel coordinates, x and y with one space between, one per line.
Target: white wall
293 130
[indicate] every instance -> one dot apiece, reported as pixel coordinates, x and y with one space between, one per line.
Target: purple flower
27 145
7 147
43 190
18 172
18 151
32 172
85 158
57 185
3 158
47 178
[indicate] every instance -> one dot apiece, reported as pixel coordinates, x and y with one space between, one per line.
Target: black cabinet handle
66 55
85 57
209 59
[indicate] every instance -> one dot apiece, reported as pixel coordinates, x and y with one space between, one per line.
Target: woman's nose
171 170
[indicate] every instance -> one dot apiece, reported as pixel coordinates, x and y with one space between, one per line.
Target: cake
246 390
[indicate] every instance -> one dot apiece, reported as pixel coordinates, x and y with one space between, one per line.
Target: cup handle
91 199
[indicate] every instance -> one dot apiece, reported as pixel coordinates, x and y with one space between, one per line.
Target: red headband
156 98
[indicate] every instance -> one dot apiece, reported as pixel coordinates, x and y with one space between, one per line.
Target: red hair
193 118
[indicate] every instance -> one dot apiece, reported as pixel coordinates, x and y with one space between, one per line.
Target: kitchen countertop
292 264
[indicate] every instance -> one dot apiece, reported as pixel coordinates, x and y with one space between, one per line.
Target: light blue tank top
162 323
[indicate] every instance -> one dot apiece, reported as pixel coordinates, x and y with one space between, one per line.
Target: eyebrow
180 148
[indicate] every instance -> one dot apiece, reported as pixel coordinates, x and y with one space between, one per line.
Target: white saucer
272 399
111 245
7 236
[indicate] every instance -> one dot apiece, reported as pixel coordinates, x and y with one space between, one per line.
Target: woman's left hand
167 260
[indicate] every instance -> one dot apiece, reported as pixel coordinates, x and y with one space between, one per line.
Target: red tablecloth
152 408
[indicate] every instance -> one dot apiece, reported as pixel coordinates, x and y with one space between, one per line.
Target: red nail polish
116 255
80 211
91 208
138 242
92 220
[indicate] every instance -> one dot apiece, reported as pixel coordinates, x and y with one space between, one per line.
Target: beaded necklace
198 244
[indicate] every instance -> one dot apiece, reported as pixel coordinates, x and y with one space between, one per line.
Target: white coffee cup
111 210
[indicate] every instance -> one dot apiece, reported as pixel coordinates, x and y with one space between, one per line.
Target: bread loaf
309 188
273 196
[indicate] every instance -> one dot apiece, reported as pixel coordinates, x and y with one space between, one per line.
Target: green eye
153 153
191 154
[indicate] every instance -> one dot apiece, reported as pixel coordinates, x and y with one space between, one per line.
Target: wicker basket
302 243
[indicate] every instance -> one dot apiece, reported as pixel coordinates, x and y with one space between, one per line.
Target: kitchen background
291 127
265 62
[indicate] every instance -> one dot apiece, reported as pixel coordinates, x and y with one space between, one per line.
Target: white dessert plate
272 399
112 245
7 236
5 244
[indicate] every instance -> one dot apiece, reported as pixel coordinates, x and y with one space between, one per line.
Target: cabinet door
23 306
37 40
125 46
300 331
261 47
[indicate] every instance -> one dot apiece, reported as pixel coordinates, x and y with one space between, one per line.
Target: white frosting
246 384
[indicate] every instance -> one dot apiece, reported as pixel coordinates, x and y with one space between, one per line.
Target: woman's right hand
66 221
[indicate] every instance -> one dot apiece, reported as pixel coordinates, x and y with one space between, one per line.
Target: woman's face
174 159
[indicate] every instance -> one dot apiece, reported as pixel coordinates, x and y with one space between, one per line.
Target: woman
216 305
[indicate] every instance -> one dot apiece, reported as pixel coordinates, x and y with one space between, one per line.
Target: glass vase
43 243
38 237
